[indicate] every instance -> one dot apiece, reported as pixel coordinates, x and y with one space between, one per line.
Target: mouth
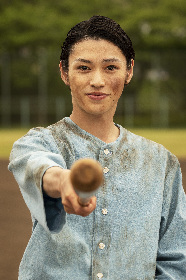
97 95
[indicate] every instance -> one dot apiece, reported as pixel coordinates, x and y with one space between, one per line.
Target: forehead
96 49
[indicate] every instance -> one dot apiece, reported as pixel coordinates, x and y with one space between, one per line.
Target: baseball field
15 219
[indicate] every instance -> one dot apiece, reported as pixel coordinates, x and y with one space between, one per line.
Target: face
96 76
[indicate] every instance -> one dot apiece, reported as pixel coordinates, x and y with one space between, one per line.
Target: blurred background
33 94
31 35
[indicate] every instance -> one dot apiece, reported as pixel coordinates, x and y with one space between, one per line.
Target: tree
151 24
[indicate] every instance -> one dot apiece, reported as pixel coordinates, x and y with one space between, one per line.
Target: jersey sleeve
30 157
171 257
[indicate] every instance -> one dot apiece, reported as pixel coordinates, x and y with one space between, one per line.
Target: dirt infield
15 229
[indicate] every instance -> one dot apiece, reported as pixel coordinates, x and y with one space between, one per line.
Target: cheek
117 85
76 82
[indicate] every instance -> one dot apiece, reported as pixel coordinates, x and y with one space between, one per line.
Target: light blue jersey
136 232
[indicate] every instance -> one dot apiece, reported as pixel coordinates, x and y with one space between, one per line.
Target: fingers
57 183
72 206
70 199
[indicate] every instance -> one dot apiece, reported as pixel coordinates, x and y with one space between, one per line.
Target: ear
129 73
64 74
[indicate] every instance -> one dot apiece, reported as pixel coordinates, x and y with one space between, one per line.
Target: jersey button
105 170
104 211
101 246
100 275
106 151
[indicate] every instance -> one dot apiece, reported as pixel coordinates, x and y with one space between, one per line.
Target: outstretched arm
171 257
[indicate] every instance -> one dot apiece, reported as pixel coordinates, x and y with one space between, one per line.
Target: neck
99 126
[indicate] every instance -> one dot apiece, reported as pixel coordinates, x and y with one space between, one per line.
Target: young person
135 227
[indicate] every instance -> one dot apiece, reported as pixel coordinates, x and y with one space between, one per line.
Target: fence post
129 111
42 86
25 112
164 111
60 108
5 90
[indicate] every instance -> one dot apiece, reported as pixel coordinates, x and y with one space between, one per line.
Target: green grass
7 138
173 139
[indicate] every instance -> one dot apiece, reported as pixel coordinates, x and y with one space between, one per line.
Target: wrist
51 182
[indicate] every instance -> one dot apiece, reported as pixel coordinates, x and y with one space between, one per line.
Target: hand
56 183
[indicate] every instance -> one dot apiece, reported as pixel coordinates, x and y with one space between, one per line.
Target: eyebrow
83 60
112 60
104 60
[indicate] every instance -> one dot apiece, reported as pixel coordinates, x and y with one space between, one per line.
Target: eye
112 67
83 68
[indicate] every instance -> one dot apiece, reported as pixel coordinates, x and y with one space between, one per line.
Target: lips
97 95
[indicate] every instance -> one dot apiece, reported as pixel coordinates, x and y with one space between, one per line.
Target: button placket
107 153
104 210
100 251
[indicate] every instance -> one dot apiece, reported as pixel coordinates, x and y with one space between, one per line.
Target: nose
97 79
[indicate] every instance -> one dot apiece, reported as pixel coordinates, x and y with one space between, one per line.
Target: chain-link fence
32 92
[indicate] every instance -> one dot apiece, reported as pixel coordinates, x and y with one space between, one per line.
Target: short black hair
97 27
